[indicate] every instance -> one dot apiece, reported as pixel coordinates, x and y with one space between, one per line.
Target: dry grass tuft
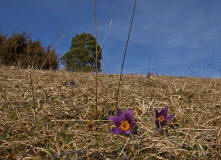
58 123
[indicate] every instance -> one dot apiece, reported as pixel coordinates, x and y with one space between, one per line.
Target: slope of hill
42 118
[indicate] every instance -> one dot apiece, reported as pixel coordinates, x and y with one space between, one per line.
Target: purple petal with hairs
127 132
156 112
170 117
132 124
157 123
128 115
121 117
116 131
119 112
115 120
162 124
164 111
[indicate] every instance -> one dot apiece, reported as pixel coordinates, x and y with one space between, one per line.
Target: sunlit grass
63 126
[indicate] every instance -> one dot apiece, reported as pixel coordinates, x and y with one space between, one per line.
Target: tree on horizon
81 56
20 50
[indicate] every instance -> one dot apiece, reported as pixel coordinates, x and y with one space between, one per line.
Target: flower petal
119 112
164 111
156 113
132 124
162 124
121 117
128 115
116 131
115 120
170 117
127 132
157 124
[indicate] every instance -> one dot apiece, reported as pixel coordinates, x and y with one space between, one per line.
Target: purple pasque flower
148 75
123 122
161 117
72 83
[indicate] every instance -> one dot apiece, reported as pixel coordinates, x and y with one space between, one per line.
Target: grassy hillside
41 118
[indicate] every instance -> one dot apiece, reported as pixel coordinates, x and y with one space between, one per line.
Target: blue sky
182 36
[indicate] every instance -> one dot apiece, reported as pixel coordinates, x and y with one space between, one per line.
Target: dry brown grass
59 124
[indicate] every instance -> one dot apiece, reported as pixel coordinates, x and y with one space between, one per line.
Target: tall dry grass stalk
125 52
95 24
33 96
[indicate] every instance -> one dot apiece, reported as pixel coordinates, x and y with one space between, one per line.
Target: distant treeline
20 50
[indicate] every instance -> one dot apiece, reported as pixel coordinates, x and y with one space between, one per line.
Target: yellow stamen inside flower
124 125
161 118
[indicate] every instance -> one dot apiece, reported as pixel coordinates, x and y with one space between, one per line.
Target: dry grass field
41 118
